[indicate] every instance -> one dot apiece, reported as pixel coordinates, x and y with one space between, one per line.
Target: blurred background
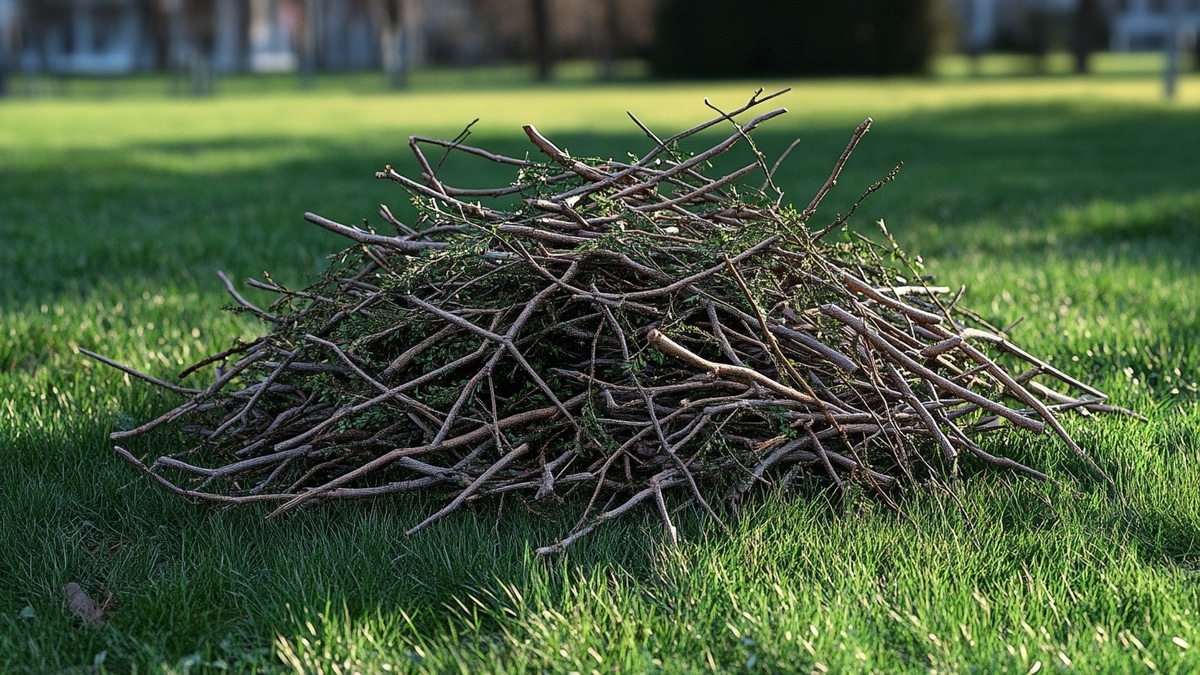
47 44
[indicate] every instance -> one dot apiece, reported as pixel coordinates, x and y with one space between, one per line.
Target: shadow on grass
195 581
190 578
1004 179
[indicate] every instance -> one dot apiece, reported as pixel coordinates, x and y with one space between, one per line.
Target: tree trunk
1175 40
390 16
1085 34
155 30
542 57
612 43
202 34
309 33
7 34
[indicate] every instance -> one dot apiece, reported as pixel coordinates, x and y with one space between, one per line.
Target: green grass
1071 202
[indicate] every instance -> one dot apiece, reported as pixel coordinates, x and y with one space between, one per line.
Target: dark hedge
718 38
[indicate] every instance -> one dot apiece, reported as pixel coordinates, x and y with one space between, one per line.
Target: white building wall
1146 24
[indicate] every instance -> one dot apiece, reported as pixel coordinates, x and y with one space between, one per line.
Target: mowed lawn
1073 203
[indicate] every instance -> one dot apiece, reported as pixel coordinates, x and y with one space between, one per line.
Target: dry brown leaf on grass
84 607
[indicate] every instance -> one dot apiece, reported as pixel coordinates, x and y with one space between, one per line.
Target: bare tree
8 30
310 34
543 56
1176 38
1086 14
612 46
155 30
392 18
201 30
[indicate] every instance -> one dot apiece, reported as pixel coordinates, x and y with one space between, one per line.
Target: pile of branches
636 333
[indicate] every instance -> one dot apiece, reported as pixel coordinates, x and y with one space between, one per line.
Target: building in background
1041 25
126 36
100 37
103 37
94 37
1153 24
